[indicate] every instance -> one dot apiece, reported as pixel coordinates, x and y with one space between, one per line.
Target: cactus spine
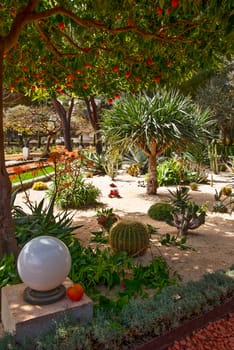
130 236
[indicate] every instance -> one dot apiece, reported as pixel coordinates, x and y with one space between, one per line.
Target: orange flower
65 184
18 170
12 177
90 163
35 172
81 156
54 156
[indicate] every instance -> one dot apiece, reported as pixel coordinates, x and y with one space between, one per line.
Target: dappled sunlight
229 234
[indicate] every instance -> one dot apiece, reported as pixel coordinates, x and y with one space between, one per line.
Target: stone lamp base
35 297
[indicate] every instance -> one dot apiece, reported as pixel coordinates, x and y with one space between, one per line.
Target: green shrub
74 193
179 171
161 212
8 271
130 236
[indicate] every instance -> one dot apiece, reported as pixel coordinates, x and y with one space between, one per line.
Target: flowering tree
109 46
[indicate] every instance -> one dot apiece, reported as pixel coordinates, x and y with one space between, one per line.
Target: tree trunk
152 184
8 243
65 117
94 120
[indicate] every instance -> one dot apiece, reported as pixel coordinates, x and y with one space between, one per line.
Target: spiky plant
130 236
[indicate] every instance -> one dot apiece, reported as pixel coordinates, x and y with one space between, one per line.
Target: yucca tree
154 124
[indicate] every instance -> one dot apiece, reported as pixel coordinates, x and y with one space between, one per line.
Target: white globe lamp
43 264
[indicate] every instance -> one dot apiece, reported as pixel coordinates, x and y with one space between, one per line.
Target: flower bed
152 323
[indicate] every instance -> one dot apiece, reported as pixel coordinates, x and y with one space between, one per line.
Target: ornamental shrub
161 212
74 192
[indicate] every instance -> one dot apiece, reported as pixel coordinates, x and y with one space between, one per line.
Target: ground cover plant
139 320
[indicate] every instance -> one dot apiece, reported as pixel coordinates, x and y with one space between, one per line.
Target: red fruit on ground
75 292
85 86
127 74
117 95
156 79
110 101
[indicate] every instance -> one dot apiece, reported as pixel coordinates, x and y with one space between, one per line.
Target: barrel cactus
130 236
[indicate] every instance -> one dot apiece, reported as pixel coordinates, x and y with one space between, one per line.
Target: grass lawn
32 174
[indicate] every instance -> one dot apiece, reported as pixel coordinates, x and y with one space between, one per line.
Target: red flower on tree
150 61
174 3
168 10
156 79
159 11
115 69
61 26
168 63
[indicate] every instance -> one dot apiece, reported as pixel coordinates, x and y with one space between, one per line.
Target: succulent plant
226 191
161 212
40 186
130 236
193 186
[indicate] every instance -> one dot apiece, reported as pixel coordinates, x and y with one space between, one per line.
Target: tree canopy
105 47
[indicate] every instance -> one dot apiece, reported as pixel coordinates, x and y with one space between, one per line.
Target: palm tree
154 124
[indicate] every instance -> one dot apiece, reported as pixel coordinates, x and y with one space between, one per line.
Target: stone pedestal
30 321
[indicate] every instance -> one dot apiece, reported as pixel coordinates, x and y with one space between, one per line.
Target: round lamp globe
44 263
